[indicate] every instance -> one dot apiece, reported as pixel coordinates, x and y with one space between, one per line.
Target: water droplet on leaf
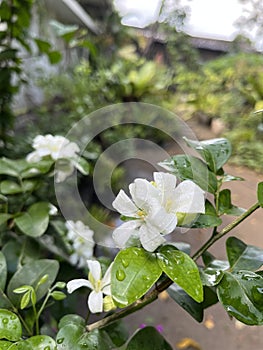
120 275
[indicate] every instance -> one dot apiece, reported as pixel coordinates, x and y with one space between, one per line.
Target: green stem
225 230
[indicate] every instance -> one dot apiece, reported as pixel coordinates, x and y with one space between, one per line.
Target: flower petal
163 221
124 205
106 281
122 234
188 198
143 193
95 302
150 238
164 181
78 283
95 269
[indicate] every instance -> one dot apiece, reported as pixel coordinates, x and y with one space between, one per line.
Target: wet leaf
182 270
148 338
96 340
241 294
215 152
42 342
242 256
68 337
191 168
134 272
10 326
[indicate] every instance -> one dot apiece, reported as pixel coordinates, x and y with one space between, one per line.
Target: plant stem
225 230
139 304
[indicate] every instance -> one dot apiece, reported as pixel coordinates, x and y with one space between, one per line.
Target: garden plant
56 275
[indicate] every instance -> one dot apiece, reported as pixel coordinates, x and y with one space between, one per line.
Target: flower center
141 213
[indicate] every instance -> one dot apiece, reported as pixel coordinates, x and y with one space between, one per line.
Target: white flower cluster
59 149
81 242
154 209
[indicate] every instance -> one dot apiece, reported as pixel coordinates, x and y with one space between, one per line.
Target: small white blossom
154 207
59 149
80 239
96 283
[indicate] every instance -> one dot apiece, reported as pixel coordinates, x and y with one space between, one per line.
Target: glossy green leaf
42 342
225 206
186 302
118 333
148 338
30 274
241 294
71 319
212 274
260 194
134 272
5 344
242 256
215 152
35 169
192 168
68 337
10 187
4 218
8 167
10 326
21 345
204 220
96 340
3 271
83 166
35 221
181 269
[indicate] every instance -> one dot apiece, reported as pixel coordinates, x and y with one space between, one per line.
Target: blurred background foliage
158 65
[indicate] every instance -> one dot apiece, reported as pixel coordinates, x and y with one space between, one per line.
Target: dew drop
47 348
120 275
13 317
124 262
5 320
146 278
60 340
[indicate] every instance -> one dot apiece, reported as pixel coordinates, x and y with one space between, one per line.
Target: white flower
154 208
96 283
80 239
59 149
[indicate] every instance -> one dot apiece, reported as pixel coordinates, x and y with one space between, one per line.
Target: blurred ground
217 331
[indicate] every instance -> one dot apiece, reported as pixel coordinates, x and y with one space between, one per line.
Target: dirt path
217 331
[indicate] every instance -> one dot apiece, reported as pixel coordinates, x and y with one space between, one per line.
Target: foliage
35 252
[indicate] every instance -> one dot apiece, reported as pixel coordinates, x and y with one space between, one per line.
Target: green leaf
242 256
83 166
30 274
71 319
8 167
54 56
133 273
191 168
148 338
215 152
68 337
204 220
182 270
241 294
43 46
228 177
30 170
225 206
10 326
10 187
35 221
3 271
25 300
21 345
5 345
96 340
42 342
260 194
186 302
118 333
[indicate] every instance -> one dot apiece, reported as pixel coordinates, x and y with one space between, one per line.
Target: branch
225 230
139 304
